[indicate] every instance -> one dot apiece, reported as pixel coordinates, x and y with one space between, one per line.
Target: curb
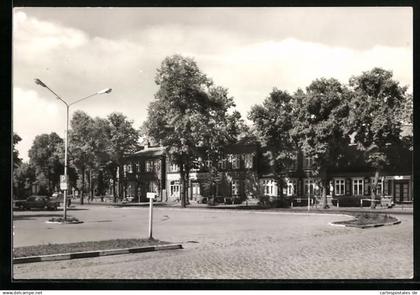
89 254
380 224
367 226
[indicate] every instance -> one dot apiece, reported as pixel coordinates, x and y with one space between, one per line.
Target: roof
149 152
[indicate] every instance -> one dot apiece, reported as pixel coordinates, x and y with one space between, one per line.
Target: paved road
224 245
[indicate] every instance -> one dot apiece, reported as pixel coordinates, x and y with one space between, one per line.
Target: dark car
40 202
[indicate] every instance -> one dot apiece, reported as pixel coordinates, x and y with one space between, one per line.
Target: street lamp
104 91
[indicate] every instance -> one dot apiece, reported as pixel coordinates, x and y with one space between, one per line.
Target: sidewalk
397 209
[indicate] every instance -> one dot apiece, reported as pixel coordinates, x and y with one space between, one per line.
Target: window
269 187
208 163
174 189
339 186
236 163
137 167
291 166
222 164
153 187
358 186
156 166
379 187
173 167
130 168
235 187
291 187
248 161
149 166
308 162
309 187
195 188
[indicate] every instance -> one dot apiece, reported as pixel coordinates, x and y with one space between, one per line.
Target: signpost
63 182
150 196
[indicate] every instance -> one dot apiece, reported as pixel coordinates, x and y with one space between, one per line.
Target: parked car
19 204
202 200
387 201
59 197
40 202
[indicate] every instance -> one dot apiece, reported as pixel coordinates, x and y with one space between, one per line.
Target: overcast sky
78 51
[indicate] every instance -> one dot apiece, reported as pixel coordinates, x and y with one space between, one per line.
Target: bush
302 201
350 201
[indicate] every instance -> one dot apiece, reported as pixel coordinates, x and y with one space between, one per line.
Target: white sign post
63 182
150 196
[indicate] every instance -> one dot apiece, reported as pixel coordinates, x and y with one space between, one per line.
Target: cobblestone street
228 245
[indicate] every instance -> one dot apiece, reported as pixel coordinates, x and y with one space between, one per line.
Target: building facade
246 174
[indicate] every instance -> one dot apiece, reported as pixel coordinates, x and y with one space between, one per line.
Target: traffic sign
151 195
63 182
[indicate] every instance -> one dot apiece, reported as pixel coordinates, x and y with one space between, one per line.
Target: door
195 190
401 192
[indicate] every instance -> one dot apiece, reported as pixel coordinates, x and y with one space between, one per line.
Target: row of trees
322 120
96 150
190 116
195 119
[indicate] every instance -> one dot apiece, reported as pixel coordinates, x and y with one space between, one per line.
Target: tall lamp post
106 90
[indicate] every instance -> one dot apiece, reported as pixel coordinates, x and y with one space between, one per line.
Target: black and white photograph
212 143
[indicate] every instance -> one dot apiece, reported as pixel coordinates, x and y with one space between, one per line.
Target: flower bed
83 246
363 220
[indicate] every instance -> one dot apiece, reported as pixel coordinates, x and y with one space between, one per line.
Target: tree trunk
114 179
182 185
90 186
373 190
324 194
120 181
83 187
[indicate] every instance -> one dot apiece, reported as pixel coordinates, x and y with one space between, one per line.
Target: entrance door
174 190
195 190
401 192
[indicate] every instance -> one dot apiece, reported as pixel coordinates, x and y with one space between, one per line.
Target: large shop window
309 187
269 187
235 187
339 186
358 186
291 187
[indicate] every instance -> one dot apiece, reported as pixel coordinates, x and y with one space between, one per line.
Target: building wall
244 174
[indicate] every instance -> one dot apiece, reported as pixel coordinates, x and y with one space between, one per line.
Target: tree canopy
16 160
190 116
46 156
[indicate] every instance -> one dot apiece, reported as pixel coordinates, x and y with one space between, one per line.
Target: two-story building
145 171
232 182
247 171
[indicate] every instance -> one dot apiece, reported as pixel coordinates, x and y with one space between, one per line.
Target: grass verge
83 246
368 219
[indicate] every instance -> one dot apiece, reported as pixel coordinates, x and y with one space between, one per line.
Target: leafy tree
376 104
81 149
189 116
16 160
121 139
23 177
273 121
46 157
321 115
